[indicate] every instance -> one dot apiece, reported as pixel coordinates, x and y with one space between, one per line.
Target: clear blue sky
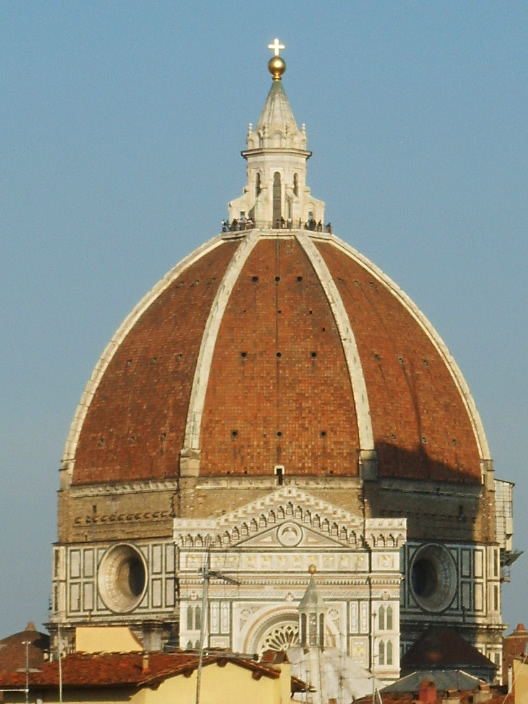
121 127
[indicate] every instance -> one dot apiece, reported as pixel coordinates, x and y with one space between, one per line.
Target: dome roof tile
278 390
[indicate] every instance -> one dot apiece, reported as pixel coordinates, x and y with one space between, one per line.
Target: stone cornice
270 482
93 490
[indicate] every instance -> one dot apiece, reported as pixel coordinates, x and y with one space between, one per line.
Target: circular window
281 637
433 577
289 535
122 578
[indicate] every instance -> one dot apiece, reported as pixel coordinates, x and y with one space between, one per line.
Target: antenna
59 647
207 573
26 643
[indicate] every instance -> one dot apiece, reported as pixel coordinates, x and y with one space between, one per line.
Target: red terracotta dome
268 348
276 402
276 346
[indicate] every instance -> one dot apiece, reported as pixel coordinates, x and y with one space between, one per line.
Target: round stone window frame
289 534
122 578
435 568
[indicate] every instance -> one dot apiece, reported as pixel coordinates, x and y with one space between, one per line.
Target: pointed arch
389 618
381 618
277 202
389 652
381 653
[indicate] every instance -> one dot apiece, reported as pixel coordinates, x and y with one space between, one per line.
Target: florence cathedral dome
276 378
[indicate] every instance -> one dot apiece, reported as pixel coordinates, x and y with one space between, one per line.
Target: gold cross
276 46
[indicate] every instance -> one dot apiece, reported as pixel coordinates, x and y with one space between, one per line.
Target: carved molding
293 506
123 488
112 518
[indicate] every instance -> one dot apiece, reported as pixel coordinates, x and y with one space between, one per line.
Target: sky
121 127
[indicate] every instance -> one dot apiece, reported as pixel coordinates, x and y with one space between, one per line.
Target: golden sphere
276 66
312 569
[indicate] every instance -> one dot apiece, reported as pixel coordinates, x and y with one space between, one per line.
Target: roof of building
277 112
442 648
312 599
279 384
13 649
520 632
274 347
443 680
463 697
129 669
442 686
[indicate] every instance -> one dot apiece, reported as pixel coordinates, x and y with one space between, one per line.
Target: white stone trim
205 356
435 338
130 487
70 447
355 370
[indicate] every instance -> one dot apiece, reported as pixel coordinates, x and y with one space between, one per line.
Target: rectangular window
88 563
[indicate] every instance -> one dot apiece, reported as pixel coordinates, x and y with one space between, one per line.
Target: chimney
483 694
427 693
452 697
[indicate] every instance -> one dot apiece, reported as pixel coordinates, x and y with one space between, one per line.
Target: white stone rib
439 344
205 356
355 370
123 330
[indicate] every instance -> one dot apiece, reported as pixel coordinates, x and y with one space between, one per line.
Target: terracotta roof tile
279 388
13 650
118 669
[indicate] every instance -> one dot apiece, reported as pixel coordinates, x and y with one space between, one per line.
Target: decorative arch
266 623
280 625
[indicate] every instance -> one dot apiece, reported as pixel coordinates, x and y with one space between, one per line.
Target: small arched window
190 620
277 203
388 623
295 185
381 618
198 618
381 653
389 653
258 185
303 630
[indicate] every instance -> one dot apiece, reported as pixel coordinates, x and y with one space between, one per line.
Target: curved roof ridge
122 331
433 335
348 341
207 346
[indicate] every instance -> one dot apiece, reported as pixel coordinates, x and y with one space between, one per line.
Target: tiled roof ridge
118 668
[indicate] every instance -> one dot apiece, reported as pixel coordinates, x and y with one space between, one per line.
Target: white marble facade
265 550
